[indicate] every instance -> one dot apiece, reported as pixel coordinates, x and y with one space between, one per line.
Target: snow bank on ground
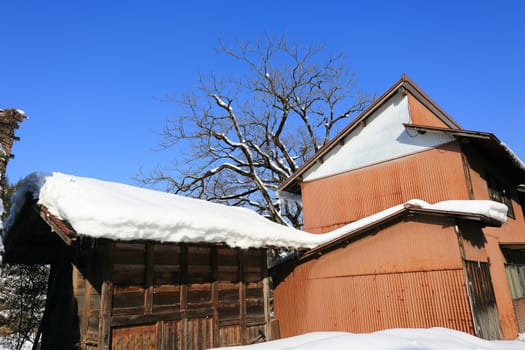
391 339
116 211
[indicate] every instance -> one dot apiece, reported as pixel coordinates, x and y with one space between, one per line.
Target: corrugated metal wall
511 232
433 176
407 275
373 302
420 115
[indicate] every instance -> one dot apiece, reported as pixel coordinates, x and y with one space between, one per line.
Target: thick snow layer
491 209
116 211
382 138
390 339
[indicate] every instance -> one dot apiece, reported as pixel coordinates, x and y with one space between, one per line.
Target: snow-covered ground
390 339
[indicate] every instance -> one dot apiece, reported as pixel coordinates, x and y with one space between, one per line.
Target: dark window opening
521 198
500 193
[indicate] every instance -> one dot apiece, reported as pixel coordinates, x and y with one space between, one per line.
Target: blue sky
93 76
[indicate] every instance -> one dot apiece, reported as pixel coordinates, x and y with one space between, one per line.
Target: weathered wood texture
170 296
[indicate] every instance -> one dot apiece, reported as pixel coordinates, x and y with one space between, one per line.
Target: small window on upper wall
500 193
521 198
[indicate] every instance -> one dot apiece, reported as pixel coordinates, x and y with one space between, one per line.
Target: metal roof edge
418 93
455 132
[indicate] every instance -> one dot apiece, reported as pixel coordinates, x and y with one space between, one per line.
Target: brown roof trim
404 85
61 228
488 221
513 245
429 103
457 133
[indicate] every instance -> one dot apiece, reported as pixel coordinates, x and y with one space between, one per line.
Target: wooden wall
170 296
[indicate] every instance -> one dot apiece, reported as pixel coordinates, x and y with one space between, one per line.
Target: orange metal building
418 271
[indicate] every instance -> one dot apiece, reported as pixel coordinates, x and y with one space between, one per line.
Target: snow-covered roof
111 210
117 211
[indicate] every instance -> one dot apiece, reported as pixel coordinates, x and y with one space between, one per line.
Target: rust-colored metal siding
407 275
514 230
511 232
432 175
420 115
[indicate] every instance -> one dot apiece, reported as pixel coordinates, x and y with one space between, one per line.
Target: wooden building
405 146
176 288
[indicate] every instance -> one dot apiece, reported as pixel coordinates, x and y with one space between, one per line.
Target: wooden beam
148 291
242 298
106 297
47 217
215 296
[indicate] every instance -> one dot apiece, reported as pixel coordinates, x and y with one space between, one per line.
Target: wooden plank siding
150 295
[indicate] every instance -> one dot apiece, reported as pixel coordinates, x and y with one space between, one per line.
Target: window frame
499 192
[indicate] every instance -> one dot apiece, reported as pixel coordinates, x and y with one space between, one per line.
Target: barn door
136 337
165 335
483 301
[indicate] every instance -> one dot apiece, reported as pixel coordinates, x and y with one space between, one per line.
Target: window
521 198
500 193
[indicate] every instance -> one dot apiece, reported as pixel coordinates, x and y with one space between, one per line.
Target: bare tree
244 136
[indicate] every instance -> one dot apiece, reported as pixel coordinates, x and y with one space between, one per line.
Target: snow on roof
117 211
513 156
490 209
111 210
389 339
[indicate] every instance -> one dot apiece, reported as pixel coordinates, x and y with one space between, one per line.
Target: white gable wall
382 138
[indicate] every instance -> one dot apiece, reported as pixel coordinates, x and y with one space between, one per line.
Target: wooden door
194 333
143 337
483 301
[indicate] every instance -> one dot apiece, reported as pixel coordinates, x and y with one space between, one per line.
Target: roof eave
485 220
